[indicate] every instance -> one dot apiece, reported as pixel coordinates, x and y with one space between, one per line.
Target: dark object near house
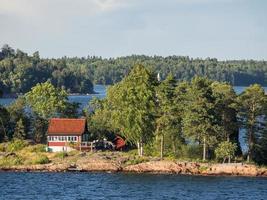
119 143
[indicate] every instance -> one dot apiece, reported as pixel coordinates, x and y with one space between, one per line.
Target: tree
167 122
225 150
260 151
71 110
17 111
226 112
252 110
19 132
46 100
7 51
199 122
39 128
4 120
98 118
132 105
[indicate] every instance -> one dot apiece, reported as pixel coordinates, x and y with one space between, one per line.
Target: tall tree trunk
173 146
161 146
138 148
204 149
141 149
228 140
250 143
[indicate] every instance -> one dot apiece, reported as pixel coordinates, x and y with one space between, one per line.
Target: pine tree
168 121
252 103
199 121
19 132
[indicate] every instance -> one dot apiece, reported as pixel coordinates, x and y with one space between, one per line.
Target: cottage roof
63 126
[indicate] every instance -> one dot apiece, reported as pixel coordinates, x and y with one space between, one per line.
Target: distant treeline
20 71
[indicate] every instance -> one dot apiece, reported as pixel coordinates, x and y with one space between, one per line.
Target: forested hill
20 71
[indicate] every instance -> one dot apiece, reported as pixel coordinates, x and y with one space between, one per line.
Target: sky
223 29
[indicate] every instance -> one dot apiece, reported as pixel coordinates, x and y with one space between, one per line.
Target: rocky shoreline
98 164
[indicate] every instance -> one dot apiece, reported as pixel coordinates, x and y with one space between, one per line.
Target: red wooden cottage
65 134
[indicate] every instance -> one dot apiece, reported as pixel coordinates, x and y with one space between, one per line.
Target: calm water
82 99
101 90
127 186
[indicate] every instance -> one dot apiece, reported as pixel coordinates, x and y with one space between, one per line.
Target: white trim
59 148
63 138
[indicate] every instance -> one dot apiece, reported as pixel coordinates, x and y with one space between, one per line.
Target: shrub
136 160
151 150
41 159
203 168
62 154
225 150
16 145
189 152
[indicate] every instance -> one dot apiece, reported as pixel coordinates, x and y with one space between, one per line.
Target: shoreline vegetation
125 162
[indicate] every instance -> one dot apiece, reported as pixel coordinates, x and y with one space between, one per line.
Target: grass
20 152
36 148
11 160
61 155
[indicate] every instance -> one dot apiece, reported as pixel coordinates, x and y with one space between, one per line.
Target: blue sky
225 29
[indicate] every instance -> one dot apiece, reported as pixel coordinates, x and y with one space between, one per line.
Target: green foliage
98 119
136 160
61 155
71 110
252 105
203 168
132 106
225 150
190 151
40 126
10 161
16 145
168 122
17 112
40 159
4 122
38 148
19 132
46 100
199 121
19 72
260 151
